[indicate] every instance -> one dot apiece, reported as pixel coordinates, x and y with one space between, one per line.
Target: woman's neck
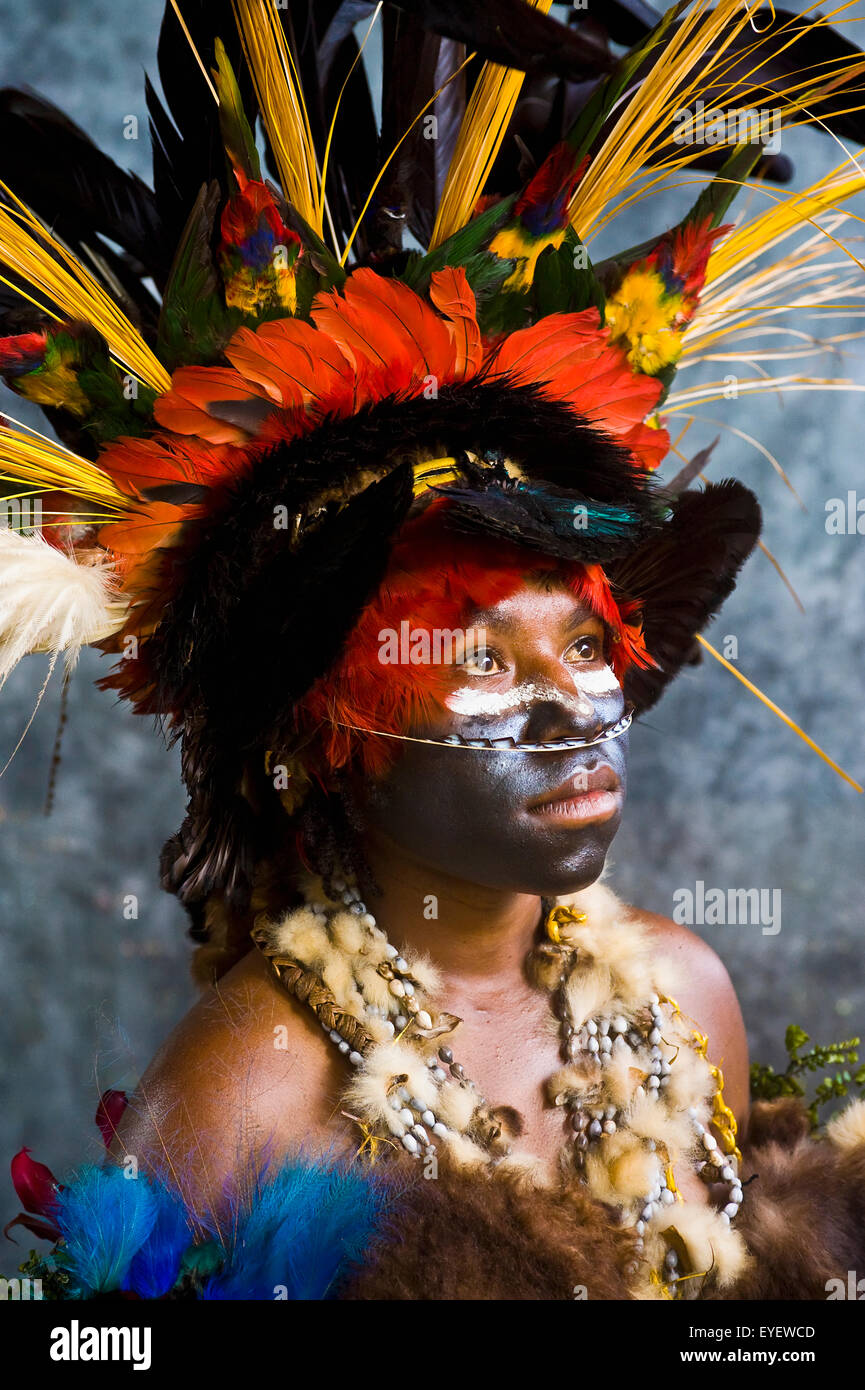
467 930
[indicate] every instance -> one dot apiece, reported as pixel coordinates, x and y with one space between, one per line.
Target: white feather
50 601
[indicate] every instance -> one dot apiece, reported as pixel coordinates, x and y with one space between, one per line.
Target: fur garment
469 1236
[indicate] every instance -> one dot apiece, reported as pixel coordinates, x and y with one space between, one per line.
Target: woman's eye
483 663
584 649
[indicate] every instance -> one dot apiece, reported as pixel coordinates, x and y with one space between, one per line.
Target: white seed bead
406 1116
654 999
610 1112
731 1209
429 1119
727 1174
391 952
736 1196
343 1046
619 1024
591 1027
408 986
400 1021
668 1197
709 1142
389 1028
604 1027
593 1045
422 1019
356 1059
398 988
410 1143
367 920
439 1074
609 1126
655 1037
440 1130
653 1083
401 964
724 1217
640 1228
605 1044
421 1135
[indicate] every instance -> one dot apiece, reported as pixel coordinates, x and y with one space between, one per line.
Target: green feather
467 247
237 136
195 322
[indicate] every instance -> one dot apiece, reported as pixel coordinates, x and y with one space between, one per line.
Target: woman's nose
562 714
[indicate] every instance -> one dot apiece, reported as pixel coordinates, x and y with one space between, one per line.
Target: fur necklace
637 1091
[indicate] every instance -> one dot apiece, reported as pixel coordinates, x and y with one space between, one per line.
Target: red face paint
435 580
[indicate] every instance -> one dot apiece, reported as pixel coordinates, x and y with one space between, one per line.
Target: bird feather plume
306 1223
50 601
104 1220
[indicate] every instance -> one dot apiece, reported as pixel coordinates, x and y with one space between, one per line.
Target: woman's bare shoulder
706 995
246 1074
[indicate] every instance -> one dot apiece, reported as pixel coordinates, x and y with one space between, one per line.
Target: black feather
514 34
187 143
260 621
682 577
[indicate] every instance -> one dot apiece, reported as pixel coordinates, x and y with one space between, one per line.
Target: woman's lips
583 798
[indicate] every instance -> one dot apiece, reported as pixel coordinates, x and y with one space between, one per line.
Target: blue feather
104 1218
155 1268
306 1225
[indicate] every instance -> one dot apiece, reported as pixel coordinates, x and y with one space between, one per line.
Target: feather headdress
241 450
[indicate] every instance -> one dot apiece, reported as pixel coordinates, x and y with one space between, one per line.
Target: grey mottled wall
720 791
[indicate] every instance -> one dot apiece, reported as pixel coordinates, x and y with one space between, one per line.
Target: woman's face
532 822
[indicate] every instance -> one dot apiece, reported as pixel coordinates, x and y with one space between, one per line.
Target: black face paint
537 823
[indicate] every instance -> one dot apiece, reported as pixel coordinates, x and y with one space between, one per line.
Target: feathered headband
240 450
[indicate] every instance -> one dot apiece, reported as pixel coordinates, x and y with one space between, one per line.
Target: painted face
537 822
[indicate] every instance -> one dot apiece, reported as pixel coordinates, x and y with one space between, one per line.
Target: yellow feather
280 100
482 131
31 252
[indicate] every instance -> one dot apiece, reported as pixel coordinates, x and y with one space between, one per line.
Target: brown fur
464 1236
804 1212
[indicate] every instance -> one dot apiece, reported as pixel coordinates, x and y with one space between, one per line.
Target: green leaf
794 1038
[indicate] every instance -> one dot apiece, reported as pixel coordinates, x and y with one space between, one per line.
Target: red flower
108 1112
37 1190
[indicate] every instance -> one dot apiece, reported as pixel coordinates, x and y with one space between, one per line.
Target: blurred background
721 792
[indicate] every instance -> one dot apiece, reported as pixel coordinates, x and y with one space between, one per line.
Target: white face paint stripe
471 701
601 682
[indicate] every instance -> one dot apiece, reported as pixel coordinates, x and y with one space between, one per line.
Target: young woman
385 549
